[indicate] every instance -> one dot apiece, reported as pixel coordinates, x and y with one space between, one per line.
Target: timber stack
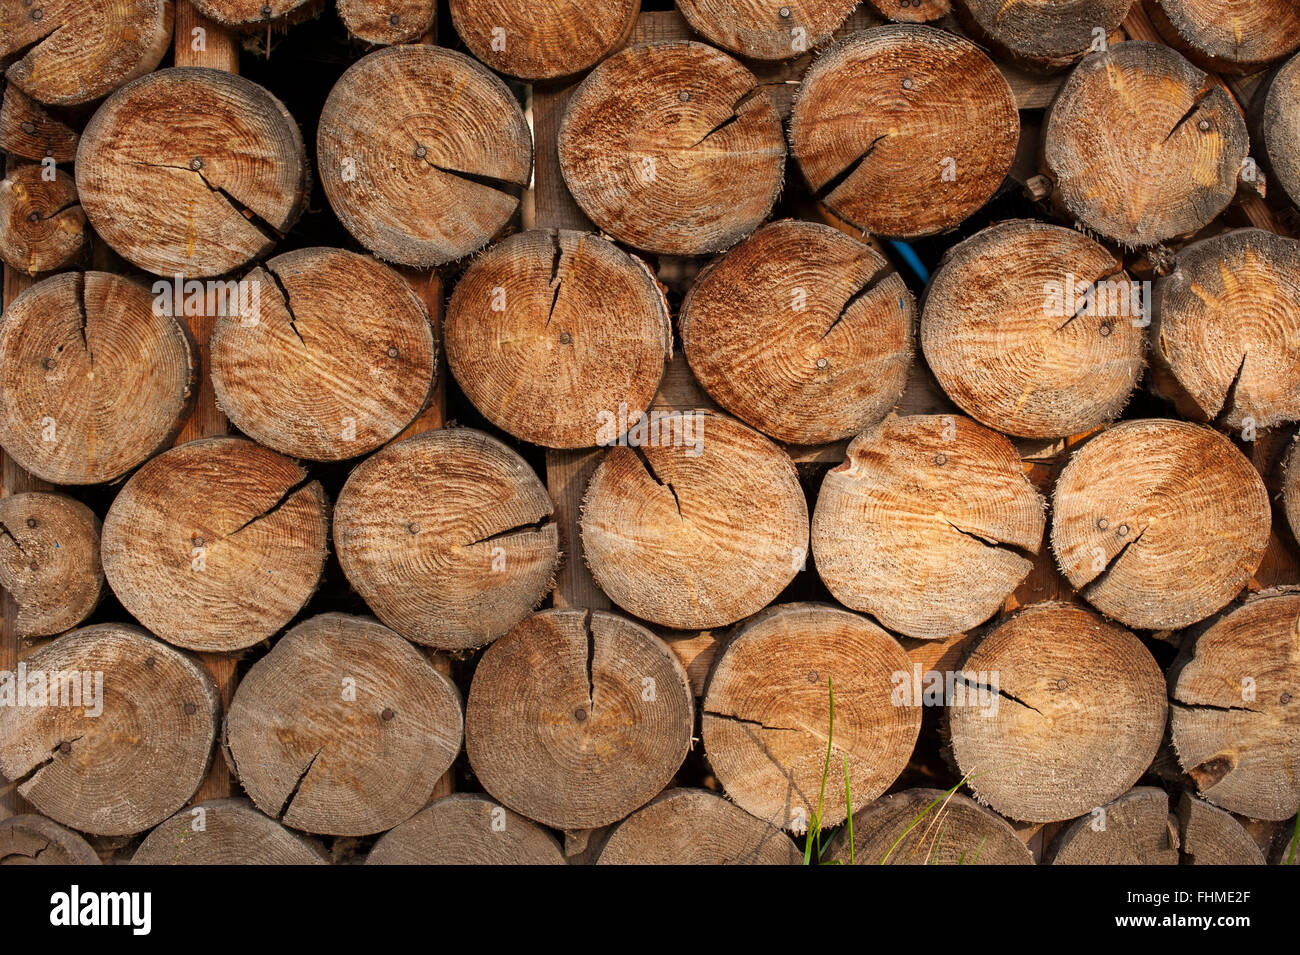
577 432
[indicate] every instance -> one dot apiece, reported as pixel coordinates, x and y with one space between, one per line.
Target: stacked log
735 554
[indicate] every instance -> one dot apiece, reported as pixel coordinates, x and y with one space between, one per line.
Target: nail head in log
1235 694
42 228
576 718
1159 523
35 840
763 30
448 537
801 331
673 147
551 334
1231 36
422 154
904 130
767 708
49 561
1213 837
543 39
1227 328
929 827
337 356
913 11
30 131
343 728
217 544
191 171
75 51
1041 35
928 525
226 832
388 21
698 532
249 14
1142 145
696 827
124 734
1135 829
466 829
1274 121
93 380
1034 330
1062 712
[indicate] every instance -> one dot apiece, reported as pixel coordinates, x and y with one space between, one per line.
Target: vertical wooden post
200 42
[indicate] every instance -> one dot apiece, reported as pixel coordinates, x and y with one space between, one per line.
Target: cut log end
1211 836
388 21
1035 330
696 827
94 378
49 561
557 336
928 525
1159 523
448 536
30 131
35 840
226 832
336 356
1226 35
545 39
1143 146
670 525
934 142
763 30
467 829
1135 829
767 708
802 332
203 202
122 737
576 718
913 11
1062 713
253 14
344 728
1235 700
42 228
1044 35
673 147
411 190
929 827
217 544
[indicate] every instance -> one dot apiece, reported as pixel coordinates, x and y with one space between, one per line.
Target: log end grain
94 380
412 189
767 703
467 829
761 30
252 14
338 356
544 40
904 130
1227 320
673 147
555 335
1211 836
1159 523
388 21
226 832
1063 713
1044 35
1235 701
344 728
49 561
1135 829
928 525
35 840
696 827
1226 35
216 544
1013 342
802 332
1142 145
929 827
697 525
176 196
134 748
576 718
42 227
28 130
448 536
